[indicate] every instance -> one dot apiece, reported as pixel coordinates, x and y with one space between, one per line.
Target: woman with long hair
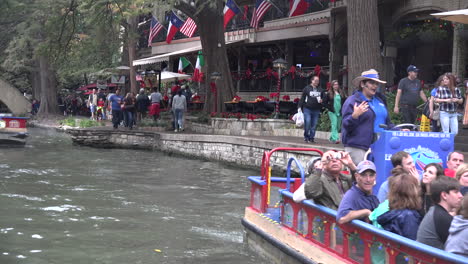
337 97
404 201
432 171
449 97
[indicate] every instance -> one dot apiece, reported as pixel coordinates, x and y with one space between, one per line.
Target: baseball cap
366 165
412 68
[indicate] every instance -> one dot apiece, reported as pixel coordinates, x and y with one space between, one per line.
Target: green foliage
77 36
68 122
201 117
420 31
324 122
89 123
395 118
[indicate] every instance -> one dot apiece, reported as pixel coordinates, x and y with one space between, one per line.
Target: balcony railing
280 11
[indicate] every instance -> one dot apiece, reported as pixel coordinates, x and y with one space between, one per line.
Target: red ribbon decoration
248 73
317 70
246 10
275 74
268 72
292 71
213 87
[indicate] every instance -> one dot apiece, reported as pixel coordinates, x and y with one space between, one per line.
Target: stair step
461 147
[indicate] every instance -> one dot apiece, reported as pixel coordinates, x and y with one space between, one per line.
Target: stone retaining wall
258 127
241 151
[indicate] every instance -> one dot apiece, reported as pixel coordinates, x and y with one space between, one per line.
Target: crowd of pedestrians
364 114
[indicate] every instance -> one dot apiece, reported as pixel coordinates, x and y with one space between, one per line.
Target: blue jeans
178 119
311 118
128 118
449 122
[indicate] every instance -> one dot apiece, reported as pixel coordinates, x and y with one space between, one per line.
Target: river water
61 203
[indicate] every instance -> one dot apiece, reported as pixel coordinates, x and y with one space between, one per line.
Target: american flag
189 27
261 7
155 28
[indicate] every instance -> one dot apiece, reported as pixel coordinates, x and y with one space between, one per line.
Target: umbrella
123 67
93 86
167 76
460 16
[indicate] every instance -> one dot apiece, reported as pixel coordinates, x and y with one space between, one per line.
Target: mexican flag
197 74
183 63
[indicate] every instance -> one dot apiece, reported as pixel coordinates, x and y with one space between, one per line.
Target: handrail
288 172
265 170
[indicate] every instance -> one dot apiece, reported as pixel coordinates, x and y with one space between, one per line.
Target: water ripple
62 208
29 198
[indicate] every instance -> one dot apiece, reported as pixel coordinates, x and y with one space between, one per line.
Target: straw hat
368 75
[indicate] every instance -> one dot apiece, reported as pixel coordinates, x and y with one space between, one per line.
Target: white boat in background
13 130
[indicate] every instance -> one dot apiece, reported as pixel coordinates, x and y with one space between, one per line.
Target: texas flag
174 25
298 7
230 10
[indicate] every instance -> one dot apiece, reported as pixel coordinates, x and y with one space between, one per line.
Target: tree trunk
131 44
363 38
209 22
36 81
48 89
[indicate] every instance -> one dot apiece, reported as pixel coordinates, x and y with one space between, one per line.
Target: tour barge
13 131
287 232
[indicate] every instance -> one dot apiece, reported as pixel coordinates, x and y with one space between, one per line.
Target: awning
460 16
165 57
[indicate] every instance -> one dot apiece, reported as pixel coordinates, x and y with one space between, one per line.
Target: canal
61 203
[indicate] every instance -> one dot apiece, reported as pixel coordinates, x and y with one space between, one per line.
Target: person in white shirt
179 106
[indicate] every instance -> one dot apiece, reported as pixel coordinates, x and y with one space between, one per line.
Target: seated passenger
404 202
358 202
384 206
314 165
404 160
432 171
328 186
457 241
454 159
462 177
433 230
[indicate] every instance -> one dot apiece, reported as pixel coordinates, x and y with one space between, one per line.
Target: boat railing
356 242
265 172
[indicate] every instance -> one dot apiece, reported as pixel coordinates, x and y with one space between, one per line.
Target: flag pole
242 12
273 4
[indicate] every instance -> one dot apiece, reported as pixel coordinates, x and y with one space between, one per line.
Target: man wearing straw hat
363 112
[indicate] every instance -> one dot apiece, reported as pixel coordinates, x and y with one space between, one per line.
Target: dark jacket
142 103
404 222
309 98
359 133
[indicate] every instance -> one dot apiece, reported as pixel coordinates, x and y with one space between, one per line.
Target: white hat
368 75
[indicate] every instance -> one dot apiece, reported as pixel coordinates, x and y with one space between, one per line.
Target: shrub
68 122
89 123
